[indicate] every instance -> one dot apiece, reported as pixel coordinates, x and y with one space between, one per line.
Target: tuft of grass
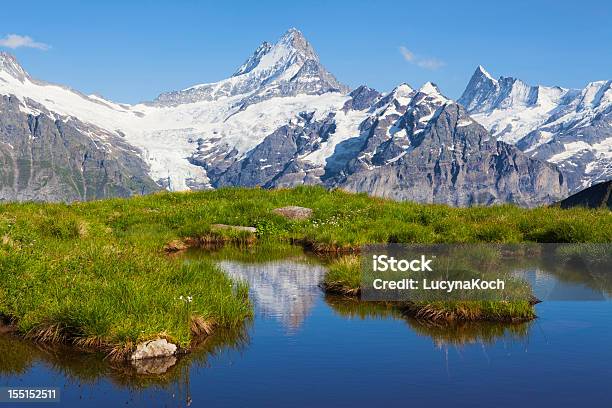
343 276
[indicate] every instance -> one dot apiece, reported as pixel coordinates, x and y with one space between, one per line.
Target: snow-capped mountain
205 118
568 127
288 68
280 120
420 146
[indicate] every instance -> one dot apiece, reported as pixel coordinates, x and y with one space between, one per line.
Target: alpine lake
304 348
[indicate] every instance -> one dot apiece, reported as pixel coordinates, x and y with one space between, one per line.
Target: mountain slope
597 196
44 159
568 127
410 145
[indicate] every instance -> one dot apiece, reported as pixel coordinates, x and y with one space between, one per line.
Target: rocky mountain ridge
568 127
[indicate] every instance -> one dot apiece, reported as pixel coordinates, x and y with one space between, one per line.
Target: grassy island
98 274
344 278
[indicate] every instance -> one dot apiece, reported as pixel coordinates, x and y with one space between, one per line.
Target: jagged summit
362 98
596 94
292 48
10 65
484 93
430 88
480 70
294 39
569 127
286 68
480 86
402 89
419 145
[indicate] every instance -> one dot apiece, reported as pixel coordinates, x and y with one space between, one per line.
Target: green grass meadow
96 275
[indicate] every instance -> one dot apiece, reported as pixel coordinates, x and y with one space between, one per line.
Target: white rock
154 348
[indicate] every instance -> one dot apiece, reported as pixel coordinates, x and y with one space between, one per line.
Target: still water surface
304 349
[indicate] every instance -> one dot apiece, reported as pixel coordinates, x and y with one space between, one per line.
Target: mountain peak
596 94
286 68
482 72
402 90
295 40
294 37
292 33
430 88
10 65
479 89
271 59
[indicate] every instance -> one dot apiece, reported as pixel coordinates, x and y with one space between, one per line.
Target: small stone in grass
175 246
233 227
294 212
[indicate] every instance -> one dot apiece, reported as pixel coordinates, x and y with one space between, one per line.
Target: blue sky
132 51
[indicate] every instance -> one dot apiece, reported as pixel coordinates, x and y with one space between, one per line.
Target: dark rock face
597 196
276 162
214 156
446 158
43 159
362 98
254 59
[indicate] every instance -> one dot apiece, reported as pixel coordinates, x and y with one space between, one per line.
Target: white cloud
407 54
423 62
17 41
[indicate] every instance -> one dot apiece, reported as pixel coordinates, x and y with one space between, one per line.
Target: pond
305 349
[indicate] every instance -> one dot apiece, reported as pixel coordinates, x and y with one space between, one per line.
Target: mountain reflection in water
284 290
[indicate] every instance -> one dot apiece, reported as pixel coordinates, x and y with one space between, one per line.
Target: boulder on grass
293 212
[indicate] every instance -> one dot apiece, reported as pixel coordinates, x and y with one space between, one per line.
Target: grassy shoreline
97 274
